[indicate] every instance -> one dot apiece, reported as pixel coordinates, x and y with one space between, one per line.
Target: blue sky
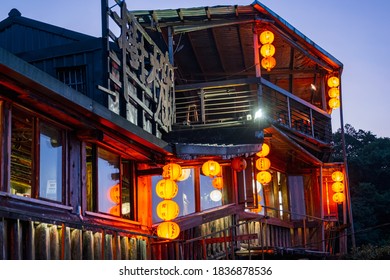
353 31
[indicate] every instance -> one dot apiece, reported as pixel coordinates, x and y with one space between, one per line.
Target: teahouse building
197 133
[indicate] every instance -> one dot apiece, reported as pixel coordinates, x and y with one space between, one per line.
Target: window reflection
207 197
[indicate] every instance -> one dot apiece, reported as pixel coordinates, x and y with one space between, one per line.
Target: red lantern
238 164
217 182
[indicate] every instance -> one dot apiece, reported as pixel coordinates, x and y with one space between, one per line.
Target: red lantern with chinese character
172 171
167 210
263 164
263 177
166 189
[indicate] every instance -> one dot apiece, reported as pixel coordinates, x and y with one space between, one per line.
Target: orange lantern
334 92
166 189
337 176
263 177
114 194
267 50
115 210
334 103
267 37
268 63
263 164
171 171
337 187
167 210
264 150
217 182
333 82
338 197
238 164
168 230
211 168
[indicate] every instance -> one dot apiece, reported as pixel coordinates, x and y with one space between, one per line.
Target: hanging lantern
168 230
264 150
337 187
338 197
216 195
185 173
267 50
238 164
334 92
268 63
211 168
263 164
334 103
114 194
337 176
263 177
171 171
333 82
266 37
167 210
115 210
217 182
166 189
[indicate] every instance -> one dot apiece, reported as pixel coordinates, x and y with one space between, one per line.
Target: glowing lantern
267 50
337 187
263 164
168 230
337 176
171 171
167 210
217 182
268 63
334 103
114 194
211 168
263 177
266 37
216 195
166 189
264 151
338 197
333 82
238 164
115 210
334 93
185 173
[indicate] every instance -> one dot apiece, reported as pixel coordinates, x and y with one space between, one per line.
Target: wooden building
151 142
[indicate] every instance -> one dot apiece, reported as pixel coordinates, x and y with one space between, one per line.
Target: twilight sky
353 31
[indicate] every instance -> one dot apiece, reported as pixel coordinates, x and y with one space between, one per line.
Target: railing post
202 106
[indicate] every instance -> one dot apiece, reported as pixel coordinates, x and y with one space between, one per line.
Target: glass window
210 197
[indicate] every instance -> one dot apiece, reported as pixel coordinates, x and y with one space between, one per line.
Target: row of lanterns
167 209
263 164
338 187
267 50
334 92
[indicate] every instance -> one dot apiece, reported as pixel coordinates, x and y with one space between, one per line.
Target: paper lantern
166 189
337 187
185 173
267 50
211 168
171 171
333 82
217 182
114 194
337 176
239 164
263 163
264 150
216 195
334 103
263 177
167 210
115 210
338 197
334 93
268 63
168 230
267 37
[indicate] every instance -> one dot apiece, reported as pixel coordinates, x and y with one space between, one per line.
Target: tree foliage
368 158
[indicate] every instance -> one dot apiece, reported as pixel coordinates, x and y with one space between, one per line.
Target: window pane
108 183
209 196
50 171
21 153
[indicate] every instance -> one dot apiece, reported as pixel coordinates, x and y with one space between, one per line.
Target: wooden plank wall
29 240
